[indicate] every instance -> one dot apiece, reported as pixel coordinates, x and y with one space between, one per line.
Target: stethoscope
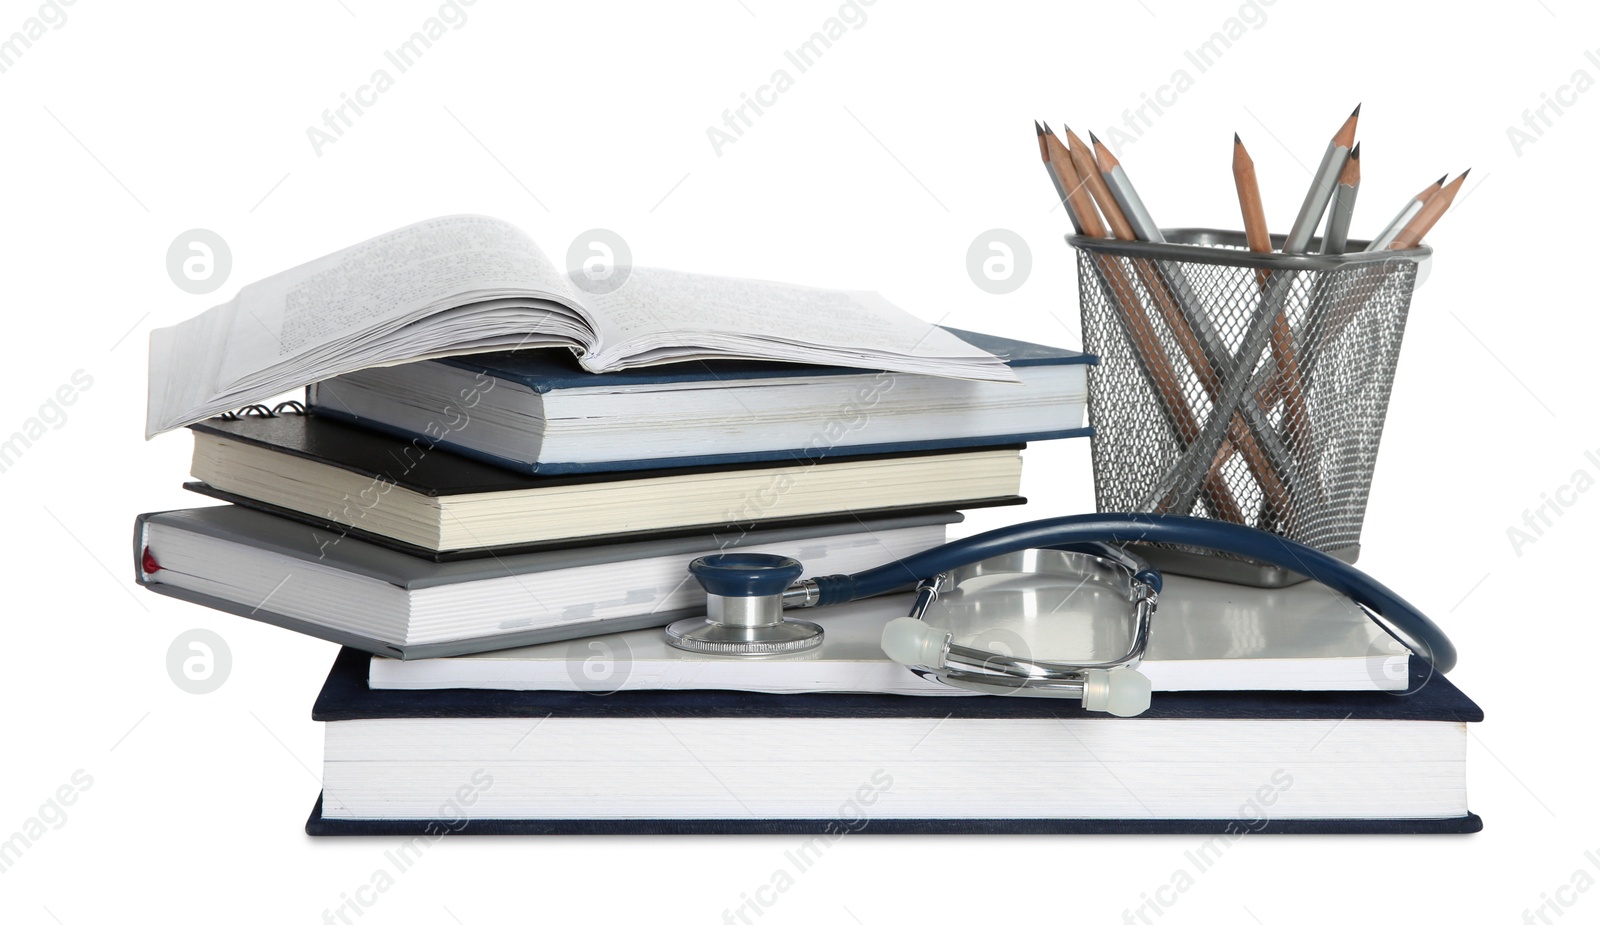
747 593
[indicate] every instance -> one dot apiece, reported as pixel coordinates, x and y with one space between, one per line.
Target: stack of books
496 538
568 503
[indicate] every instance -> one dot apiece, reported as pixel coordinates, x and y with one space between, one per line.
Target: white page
361 307
387 279
466 284
660 315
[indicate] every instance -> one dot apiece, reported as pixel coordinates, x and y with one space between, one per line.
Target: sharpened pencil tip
1464 174
1092 139
1236 139
1037 128
1442 177
1355 153
1356 111
1048 130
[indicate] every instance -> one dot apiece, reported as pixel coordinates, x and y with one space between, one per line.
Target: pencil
1148 351
1055 179
1287 382
1322 184
1185 326
1431 212
1406 213
1127 197
1337 237
1089 175
1255 215
1079 204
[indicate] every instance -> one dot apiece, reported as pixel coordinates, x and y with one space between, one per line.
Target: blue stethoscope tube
1414 628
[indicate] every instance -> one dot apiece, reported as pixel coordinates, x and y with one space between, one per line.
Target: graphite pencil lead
1236 139
1356 111
1037 128
1442 177
1355 153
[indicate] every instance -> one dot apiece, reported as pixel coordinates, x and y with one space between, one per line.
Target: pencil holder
1240 386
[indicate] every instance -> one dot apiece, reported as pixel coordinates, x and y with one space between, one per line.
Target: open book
467 284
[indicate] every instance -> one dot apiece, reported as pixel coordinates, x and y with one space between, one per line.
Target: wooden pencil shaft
1158 371
1287 382
1055 179
1083 163
1183 322
1184 479
1061 193
1430 213
1250 206
1078 198
1141 332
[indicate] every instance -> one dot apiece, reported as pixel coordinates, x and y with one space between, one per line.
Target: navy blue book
1225 763
539 411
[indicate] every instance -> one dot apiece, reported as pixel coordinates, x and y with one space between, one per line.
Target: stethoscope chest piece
744 608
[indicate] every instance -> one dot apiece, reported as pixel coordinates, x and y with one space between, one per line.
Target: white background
910 136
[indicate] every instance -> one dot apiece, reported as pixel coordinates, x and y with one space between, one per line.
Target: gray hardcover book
346 590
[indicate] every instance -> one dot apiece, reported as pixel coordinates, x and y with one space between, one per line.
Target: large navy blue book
539 411
680 762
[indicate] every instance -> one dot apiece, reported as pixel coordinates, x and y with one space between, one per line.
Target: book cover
543 371
345 696
257 530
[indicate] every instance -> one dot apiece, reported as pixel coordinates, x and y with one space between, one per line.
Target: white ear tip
912 642
1120 691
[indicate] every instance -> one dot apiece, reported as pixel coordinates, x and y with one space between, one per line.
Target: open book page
662 316
364 306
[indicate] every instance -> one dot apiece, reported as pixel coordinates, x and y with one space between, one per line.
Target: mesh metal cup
1240 386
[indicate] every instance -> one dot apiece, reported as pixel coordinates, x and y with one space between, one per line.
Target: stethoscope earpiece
912 642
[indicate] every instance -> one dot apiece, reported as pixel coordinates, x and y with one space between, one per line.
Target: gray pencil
1412 207
1123 192
1337 237
1322 185
1055 178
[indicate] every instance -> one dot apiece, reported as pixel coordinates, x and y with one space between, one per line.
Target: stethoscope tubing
1413 627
